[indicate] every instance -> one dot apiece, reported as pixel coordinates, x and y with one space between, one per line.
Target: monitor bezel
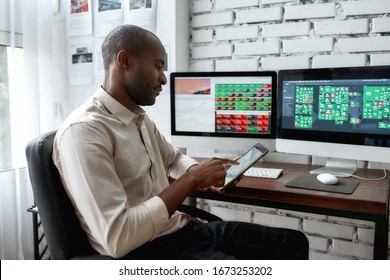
271 74
368 72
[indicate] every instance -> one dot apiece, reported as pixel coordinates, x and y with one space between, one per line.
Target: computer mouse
327 179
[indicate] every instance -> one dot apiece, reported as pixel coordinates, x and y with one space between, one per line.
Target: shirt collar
117 109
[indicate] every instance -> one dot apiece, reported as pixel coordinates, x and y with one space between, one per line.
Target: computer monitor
224 112
339 113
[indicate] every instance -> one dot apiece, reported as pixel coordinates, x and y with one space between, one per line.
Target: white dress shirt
113 163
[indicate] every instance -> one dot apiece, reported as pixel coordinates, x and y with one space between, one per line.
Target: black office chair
64 235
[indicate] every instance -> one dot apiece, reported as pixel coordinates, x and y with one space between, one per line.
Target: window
11 68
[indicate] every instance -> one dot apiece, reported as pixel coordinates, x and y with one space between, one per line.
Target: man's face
145 81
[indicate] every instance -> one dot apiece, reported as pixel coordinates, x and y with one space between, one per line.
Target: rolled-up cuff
181 165
158 213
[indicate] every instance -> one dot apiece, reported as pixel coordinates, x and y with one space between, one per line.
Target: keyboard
261 172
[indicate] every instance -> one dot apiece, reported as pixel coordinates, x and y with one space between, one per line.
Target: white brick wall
202 36
366 235
366 44
319 243
329 237
265 2
212 51
327 229
285 62
357 26
257 48
313 255
277 220
250 35
201 6
310 11
357 250
231 4
212 19
308 45
355 8
202 65
237 33
344 60
231 214
285 29
287 34
380 59
259 15
381 25
250 64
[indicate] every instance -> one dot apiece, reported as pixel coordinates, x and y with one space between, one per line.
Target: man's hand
210 174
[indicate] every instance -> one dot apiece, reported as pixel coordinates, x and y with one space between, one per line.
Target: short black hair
127 37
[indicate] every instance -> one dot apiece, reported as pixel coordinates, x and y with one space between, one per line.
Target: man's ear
123 59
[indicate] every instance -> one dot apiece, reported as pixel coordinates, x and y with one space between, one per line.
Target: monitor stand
338 167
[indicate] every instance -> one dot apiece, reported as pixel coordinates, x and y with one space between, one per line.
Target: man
115 164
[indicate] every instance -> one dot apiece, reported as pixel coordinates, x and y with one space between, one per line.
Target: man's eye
158 66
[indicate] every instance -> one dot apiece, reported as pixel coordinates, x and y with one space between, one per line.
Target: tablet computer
249 158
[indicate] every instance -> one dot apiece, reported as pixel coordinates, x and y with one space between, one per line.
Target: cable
372 179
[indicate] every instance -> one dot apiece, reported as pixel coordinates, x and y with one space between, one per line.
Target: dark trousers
226 240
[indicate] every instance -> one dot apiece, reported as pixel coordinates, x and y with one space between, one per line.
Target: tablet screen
246 161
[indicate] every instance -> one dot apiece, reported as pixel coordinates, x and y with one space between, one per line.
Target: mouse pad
344 185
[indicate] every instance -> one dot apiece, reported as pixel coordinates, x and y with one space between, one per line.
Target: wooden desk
369 201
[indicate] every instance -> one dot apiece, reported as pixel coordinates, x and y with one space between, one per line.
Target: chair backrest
64 235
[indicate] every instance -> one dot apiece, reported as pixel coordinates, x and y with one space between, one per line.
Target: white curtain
16 223
32 113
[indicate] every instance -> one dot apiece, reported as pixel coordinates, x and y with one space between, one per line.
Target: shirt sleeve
181 164
83 155
176 163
